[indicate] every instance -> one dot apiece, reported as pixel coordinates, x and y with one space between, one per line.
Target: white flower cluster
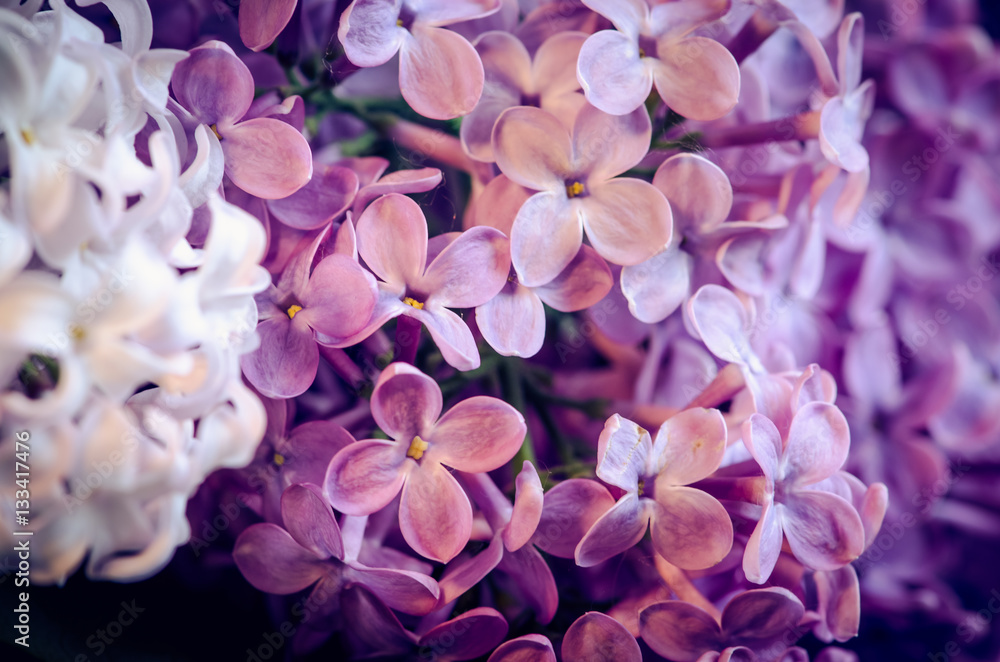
119 340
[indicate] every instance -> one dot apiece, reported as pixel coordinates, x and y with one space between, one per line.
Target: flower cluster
623 329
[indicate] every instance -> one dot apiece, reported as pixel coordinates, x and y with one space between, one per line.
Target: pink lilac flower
626 220
264 156
695 76
435 516
690 528
440 73
262 20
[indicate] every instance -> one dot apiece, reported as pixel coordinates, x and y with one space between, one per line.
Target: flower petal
369 33
452 336
627 220
262 20
596 636
478 434
528 648
340 297
309 449
213 84
623 451
617 530
267 158
533 148
699 192
762 439
697 77
570 510
513 322
818 441
309 520
763 547
658 286
585 281
546 236
535 580
440 73
605 146
273 562
392 239
285 363
614 77
761 613
528 503
465 637
481 250
689 446
679 631
435 515
328 194
405 402
691 529
365 477
823 529
462 575
403 590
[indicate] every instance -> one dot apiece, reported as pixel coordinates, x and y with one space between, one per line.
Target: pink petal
626 15
689 446
403 590
309 520
627 220
285 363
365 477
405 402
570 510
309 449
452 336
480 250
605 146
273 562
841 125
722 322
585 281
850 46
818 441
417 180
460 576
529 648
762 613
528 502
478 434
533 148
823 530
446 12
616 531
546 236
369 32
340 297
658 286
267 158
839 595
328 194
613 76
535 580
553 71
262 20
440 74
697 77
623 453
763 547
699 192
435 516
679 631
762 439
497 204
392 239
595 634
465 637
690 528
513 322
213 84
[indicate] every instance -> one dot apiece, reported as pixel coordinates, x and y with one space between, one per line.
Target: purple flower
690 528
435 516
440 73
264 156
627 220
596 636
696 76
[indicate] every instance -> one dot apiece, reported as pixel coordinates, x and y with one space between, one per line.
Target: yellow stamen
77 333
642 487
28 136
574 189
293 311
215 131
417 448
409 301
279 459
399 22
642 52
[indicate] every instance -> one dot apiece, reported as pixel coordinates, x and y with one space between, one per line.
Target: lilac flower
435 516
753 620
696 76
690 528
335 298
627 220
262 20
598 636
264 156
440 73
823 530
392 240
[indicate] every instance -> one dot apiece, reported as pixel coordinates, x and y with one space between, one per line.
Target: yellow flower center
293 311
642 52
77 333
399 22
28 136
574 189
417 448
410 301
279 459
215 131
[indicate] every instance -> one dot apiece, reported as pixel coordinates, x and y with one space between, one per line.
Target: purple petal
627 220
535 580
370 620
533 148
763 547
658 286
328 194
818 441
823 530
369 32
452 336
513 322
262 20
613 76
446 12
850 46
213 84
478 434
617 530
418 180
309 520
763 440
462 575
528 503
435 515
273 562
474 633
554 67
309 449
679 631
497 204
585 281
392 239
697 77
569 512
405 402
699 192
481 250
839 595
691 529
266 157
340 297
595 636
689 446
365 477
529 648
722 322
403 590
285 363
761 613
440 73
623 453
546 236
607 145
